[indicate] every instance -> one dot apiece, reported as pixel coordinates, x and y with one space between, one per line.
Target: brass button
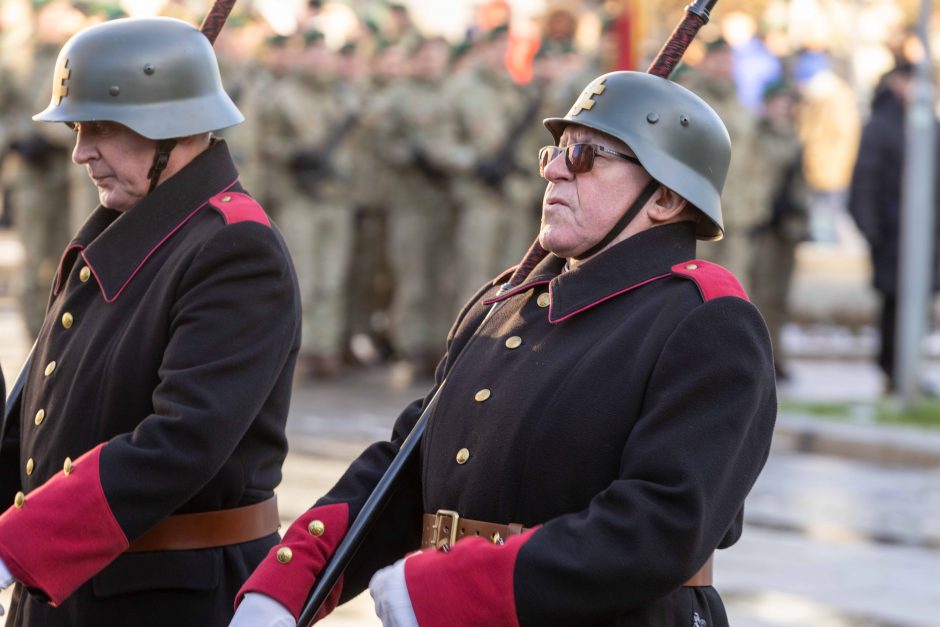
463 455
40 416
67 466
514 342
29 466
50 368
691 266
67 320
543 300
284 555
316 528
84 274
226 198
482 395
19 500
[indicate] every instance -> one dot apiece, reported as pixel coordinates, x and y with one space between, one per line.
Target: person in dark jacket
142 455
875 201
598 434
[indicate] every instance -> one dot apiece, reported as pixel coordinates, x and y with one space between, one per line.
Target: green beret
312 36
277 41
497 31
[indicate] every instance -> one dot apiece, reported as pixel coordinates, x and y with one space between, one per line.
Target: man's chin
552 245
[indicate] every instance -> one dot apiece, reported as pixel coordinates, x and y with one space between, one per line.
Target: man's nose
84 150
557 169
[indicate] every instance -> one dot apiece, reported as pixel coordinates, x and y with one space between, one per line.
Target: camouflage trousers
40 204
423 303
320 237
771 273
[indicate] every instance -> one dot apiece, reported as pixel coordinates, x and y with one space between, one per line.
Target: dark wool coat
163 373
875 192
621 411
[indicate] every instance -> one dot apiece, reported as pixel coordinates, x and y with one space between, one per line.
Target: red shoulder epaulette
239 207
713 281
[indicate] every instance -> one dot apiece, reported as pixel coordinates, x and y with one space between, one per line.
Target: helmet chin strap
624 220
160 159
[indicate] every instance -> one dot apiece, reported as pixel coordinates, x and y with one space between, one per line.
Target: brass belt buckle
438 526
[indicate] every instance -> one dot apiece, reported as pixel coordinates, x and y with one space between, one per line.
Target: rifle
312 166
696 16
494 170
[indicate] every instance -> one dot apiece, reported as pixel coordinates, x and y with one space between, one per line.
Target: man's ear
666 205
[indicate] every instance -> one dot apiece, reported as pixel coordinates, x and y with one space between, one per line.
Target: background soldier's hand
491 172
34 149
307 161
260 610
424 163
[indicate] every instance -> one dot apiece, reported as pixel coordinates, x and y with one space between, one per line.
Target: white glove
6 579
390 593
260 610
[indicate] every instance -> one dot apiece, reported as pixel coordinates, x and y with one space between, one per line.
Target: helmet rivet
684 120
114 90
149 69
652 118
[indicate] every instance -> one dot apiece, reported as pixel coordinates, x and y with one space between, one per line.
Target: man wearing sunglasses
598 434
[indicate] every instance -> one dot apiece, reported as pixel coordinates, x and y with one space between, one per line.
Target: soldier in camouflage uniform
491 234
415 135
371 282
331 211
778 174
713 81
375 70
36 172
298 118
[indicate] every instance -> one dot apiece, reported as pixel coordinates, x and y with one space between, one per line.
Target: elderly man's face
117 160
579 210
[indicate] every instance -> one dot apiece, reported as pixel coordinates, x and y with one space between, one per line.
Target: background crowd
401 163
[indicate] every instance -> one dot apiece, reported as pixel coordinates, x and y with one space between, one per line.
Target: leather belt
445 528
206 530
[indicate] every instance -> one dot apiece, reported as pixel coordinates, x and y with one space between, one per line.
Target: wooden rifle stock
215 19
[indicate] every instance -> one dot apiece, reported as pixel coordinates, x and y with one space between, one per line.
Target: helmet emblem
60 89
586 99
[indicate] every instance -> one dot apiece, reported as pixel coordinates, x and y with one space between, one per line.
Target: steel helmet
677 137
157 76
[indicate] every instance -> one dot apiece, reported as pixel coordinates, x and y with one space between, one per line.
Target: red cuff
64 533
470 585
290 570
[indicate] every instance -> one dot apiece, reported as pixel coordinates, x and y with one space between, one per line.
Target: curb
879 444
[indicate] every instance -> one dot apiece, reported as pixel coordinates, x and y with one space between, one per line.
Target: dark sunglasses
578 157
